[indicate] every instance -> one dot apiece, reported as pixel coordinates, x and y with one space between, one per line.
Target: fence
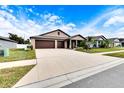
22 45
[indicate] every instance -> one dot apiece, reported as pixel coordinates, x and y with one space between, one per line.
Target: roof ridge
54 31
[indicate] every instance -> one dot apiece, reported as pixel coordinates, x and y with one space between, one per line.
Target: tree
27 41
13 36
89 39
105 44
81 43
19 40
108 43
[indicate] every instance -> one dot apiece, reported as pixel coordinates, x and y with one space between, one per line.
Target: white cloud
4 7
101 25
71 25
30 10
119 32
37 14
10 24
7 15
114 21
53 18
10 10
26 27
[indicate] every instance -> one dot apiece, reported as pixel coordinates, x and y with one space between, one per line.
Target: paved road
111 78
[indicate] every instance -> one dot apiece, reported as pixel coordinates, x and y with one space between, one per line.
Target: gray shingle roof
97 37
7 39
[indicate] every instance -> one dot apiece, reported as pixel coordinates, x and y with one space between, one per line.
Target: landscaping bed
98 50
119 54
9 77
18 54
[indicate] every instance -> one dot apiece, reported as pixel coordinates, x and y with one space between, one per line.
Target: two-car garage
53 39
48 44
44 44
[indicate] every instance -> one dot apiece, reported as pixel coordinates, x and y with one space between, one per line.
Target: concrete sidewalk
17 63
52 63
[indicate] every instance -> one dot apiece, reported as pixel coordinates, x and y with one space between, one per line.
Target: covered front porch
74 41
70 44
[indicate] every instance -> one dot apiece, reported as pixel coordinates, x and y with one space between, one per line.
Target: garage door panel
60 44
44 44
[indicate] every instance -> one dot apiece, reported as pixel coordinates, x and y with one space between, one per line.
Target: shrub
30 46
82 44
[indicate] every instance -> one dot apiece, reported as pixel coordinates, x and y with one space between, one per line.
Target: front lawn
9 77
119 54
18 54
98 50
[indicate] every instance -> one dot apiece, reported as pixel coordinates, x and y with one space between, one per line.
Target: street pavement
111 78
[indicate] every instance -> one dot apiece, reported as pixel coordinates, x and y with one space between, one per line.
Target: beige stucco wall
77 38
65 44
56 34
56 43
33 43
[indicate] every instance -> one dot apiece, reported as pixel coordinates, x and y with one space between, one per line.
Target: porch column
76 43
97 44
65 44
70 44
55 43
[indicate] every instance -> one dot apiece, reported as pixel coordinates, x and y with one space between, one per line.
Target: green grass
119 54
98 50
9 77
18 54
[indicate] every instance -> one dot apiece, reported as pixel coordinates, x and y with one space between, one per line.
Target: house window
58 33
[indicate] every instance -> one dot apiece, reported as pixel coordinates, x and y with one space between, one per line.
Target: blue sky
86 20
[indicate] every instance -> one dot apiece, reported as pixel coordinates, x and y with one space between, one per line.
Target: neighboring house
96 40
56 39
7 43
117 42
122 41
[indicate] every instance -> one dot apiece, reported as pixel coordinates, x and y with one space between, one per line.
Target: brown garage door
60 44
44 44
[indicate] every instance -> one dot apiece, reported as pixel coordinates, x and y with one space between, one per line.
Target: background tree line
18 39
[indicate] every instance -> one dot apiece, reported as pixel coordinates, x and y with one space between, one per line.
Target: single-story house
7 43
117 42
122 41
96 40
56 39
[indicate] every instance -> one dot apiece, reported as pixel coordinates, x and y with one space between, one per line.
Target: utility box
6 52
1 52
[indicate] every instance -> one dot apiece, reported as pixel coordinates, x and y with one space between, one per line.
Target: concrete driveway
55 62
